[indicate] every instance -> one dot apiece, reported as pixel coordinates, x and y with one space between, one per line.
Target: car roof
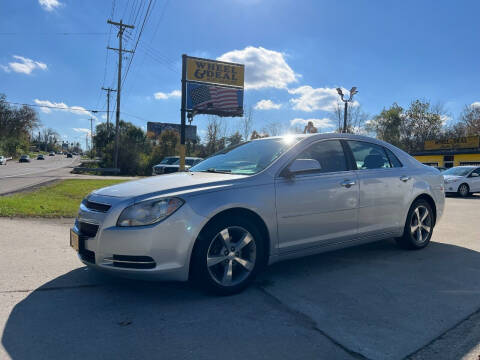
332 135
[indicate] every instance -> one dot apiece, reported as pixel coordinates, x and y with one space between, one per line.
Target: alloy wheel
421 224
463 190
231 256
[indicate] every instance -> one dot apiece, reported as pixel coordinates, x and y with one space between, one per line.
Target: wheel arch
431 202
242 212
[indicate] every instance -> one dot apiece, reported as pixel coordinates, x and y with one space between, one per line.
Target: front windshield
458 171
246 158
169 160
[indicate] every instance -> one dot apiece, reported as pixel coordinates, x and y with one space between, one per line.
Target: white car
3 160
462 180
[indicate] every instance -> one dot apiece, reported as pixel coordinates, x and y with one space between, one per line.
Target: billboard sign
467 142
154 129
213 87
214 99
215 72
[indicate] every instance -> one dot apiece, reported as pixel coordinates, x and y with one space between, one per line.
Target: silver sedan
257 203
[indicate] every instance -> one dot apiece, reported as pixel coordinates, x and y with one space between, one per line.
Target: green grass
60 199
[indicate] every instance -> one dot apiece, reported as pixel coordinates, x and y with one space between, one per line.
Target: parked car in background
69 155
24 158
257 203
40 157
52 153
171 164
3 160
462 180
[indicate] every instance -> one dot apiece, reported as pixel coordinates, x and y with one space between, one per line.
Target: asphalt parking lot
372 301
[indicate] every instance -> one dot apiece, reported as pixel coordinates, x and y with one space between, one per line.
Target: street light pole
353 91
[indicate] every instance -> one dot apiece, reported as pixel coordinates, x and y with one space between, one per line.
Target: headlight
149 212
449 181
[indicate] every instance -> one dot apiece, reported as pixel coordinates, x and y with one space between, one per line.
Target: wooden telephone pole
91 136
108 90
121 29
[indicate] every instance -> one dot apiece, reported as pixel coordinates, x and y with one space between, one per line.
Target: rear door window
369 156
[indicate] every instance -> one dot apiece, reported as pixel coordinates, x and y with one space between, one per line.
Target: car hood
172 183
452 177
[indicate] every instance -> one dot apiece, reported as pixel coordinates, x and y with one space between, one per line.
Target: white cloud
82 130
319 123
311 99
263 68
267 105
164 96
445 118
78 110
104 116
475 104
24 65
49 5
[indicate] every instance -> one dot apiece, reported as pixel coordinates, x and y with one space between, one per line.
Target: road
16 176
368 302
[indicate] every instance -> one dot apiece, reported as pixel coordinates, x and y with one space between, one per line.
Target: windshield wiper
220 171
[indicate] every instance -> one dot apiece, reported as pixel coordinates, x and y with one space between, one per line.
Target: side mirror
474 175
302 166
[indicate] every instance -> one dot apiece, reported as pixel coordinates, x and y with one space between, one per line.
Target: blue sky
296 53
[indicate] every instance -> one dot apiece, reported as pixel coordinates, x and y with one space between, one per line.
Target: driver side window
329 155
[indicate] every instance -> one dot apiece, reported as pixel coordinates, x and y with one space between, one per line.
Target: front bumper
158 252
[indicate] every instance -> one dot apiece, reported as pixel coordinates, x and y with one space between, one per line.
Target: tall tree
470 118
16 125
409 129
422 122
388 125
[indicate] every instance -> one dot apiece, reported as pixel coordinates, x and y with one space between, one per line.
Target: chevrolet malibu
257 203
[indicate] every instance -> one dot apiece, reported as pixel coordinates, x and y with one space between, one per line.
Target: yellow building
451 152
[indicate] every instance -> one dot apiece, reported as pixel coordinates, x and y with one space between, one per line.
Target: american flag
214 97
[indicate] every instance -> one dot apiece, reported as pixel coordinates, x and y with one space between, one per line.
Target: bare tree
246 123
275 128
216 134
356 118
470 118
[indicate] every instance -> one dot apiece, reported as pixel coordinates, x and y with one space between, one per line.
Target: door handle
405 178
347 183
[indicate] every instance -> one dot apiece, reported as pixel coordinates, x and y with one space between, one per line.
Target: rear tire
463 190
418 228
227 256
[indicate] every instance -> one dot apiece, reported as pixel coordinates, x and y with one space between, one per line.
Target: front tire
418 228
463 190
227 256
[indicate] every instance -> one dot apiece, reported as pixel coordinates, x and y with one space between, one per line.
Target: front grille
96 206
158 170
87 229
132 262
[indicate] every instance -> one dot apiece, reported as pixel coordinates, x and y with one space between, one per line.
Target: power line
54 33
138 39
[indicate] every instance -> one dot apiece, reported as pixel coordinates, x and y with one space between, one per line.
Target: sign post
183 113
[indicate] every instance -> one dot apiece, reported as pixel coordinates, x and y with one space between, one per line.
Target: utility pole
121 29
353 91
91 137
108 90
